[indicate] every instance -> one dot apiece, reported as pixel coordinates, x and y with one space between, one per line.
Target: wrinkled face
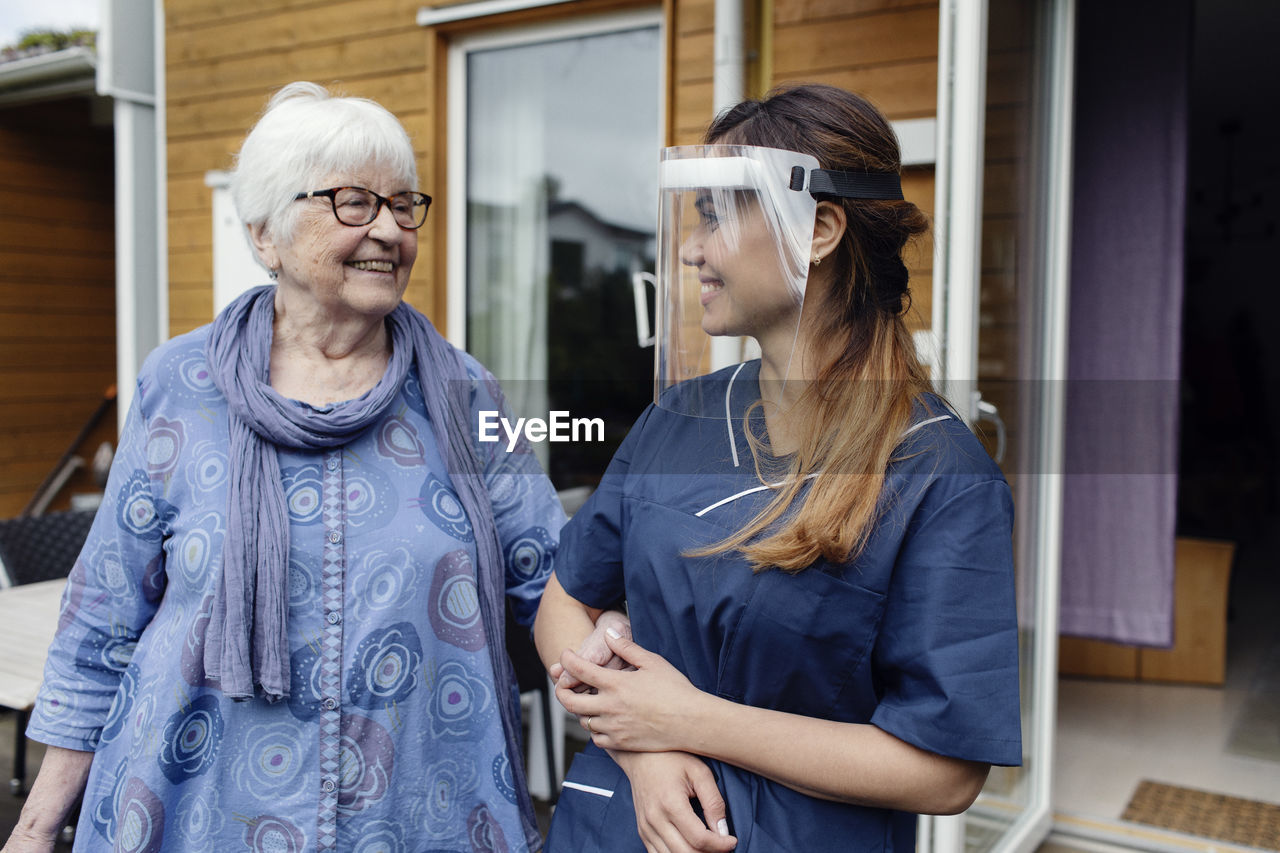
740 270
349 269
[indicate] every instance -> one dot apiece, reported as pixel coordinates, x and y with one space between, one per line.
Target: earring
274 273
817 259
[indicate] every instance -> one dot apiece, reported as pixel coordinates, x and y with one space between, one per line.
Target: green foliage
46 40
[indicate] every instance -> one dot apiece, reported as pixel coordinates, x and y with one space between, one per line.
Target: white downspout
729 82
130 51
728 87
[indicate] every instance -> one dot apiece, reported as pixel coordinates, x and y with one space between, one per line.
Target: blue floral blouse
390 739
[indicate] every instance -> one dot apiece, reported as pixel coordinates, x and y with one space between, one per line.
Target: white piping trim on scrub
746 492
755 489
728 415
599 792
915 427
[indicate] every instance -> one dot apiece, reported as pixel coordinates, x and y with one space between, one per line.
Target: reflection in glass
1007 311
562 141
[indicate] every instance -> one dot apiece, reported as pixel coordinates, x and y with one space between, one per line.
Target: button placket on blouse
331 585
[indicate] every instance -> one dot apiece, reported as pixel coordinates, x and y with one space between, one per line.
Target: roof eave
62 73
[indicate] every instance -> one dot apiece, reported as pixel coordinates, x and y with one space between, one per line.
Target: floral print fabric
390 739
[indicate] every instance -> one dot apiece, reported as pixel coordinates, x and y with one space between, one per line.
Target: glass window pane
562 145
1008 305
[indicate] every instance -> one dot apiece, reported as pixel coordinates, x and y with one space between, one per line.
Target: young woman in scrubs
814 551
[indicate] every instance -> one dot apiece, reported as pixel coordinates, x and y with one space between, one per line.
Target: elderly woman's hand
596 650
29 841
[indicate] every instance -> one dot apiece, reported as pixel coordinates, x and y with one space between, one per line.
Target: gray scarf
246 643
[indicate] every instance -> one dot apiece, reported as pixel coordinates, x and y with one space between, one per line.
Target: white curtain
508 253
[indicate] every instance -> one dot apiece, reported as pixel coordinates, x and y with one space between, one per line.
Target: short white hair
305 133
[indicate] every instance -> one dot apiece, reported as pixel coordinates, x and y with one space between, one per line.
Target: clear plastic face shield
734 235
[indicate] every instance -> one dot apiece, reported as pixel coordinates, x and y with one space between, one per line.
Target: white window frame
456 133
957 240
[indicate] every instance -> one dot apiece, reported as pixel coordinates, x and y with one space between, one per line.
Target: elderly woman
286 630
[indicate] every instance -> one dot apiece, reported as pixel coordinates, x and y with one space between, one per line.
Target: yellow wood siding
691 70
57 292
884 50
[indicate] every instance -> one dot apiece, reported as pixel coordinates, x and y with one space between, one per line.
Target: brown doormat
1208 815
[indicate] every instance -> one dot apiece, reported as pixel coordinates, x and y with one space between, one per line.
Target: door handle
644 329
988 412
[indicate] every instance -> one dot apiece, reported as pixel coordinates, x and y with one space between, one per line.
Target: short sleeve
590 567
112 593
947 656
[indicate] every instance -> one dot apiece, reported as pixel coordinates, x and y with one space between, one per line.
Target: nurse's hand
663 786
644 709
596 650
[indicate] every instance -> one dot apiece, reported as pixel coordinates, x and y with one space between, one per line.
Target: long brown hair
857 409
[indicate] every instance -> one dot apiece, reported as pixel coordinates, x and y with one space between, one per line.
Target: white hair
305 134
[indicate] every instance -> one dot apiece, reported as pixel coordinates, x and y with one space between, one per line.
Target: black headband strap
871 185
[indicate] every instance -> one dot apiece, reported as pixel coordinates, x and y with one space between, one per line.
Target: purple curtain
1125 320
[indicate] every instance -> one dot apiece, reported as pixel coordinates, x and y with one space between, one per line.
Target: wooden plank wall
689 102
57 291
223 60
886 51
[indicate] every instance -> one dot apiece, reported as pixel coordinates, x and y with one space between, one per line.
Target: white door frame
958 238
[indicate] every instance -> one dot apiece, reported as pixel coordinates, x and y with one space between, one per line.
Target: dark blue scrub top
917 636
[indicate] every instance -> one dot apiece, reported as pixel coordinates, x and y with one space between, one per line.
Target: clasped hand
640 707
644 708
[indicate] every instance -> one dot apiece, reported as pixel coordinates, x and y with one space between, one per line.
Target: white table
28 620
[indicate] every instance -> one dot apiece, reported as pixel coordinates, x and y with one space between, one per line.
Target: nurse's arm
848 762
657 708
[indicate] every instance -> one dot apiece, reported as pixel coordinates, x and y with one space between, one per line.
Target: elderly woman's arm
563 623
112 593
61 779
662 783
529 518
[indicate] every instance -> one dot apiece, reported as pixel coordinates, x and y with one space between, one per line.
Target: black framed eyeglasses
357 206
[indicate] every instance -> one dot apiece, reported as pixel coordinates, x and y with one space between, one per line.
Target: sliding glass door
553 199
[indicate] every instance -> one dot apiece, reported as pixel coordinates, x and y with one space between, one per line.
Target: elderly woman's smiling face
348 269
